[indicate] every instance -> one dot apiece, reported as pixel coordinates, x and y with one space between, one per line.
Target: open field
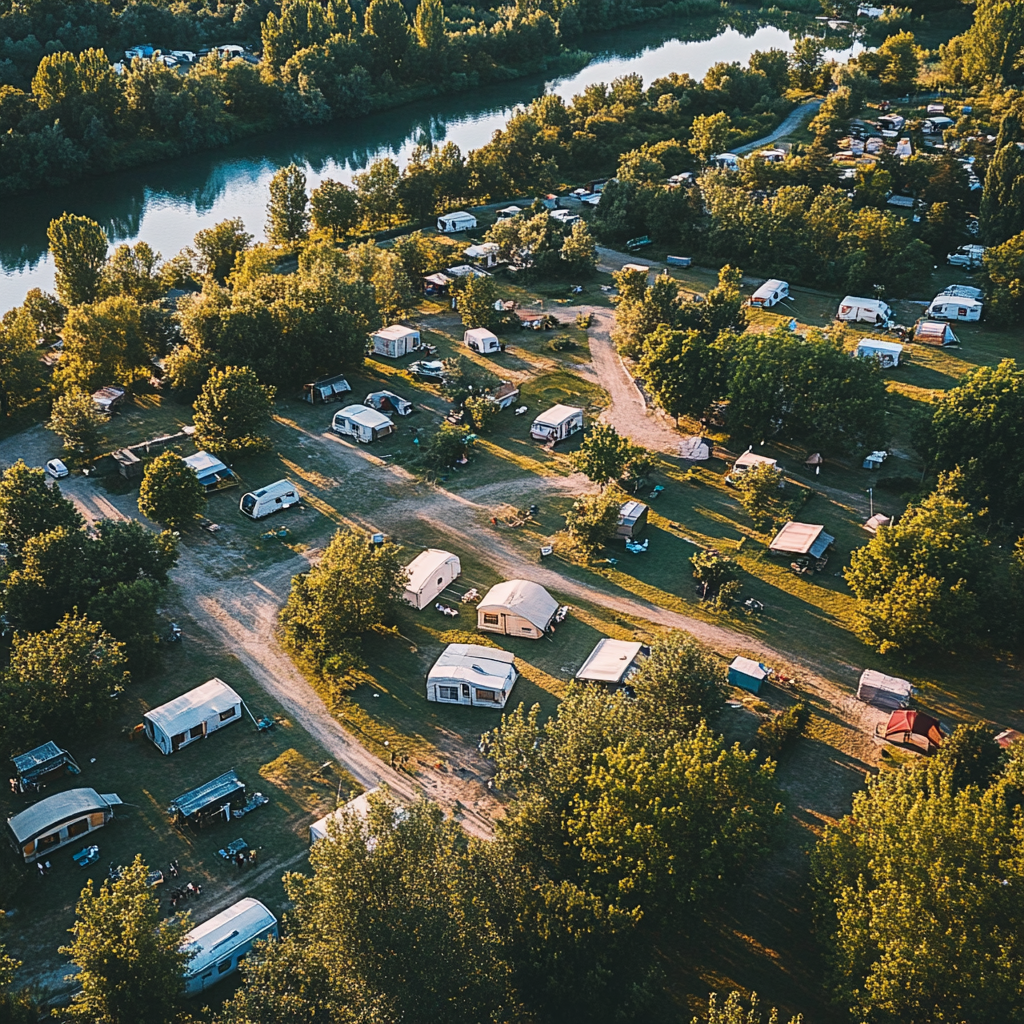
230 584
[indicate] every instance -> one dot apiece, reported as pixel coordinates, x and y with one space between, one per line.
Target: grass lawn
284 764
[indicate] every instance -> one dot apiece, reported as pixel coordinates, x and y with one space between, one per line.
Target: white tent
883 691
472 674
359 806
694 449
486 253
886 352
192 716
429 573
388 401
516 608
395 341
558 423
219 944
459 220
801 539
611 661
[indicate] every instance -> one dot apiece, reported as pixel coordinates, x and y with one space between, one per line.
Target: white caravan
770 293
273 498
429 573
866 311
220 944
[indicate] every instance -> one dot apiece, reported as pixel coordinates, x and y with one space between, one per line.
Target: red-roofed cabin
915 728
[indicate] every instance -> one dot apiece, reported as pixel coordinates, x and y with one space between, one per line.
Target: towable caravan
212 473
362 423
192 716
472 674
886 352
770 293
451 223
952 307
558 423
429 573
273 498
516 608
612 662
746 462
218 945
58 820
865 311
479 339
934 332
396 341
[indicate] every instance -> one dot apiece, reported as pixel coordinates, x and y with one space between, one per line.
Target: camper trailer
472 674
516 608
632 520
770 293
362 423
212 473
558 423
612 662
746 462
58 820
218 945
952 307
396 341
865 311
963 291
479 339
934 332
429 573
886 352
452 223
327 389
192 716
274 497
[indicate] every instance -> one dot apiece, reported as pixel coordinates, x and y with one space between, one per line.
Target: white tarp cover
194 707
359 806
610 661
884 691
694 449
750 459
484 667
524 598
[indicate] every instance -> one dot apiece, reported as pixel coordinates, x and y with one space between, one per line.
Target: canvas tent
362 423
516 608
219 944
212 473
933 332
459 220
473 675
395 341
58 820
801 539
41 763
748 674
359 807
694 449
876 521
209 802
612 661
388 401
327 389
192 716
632 520
504 394
915 728
429 573
436 284
886 352
883 691
1008 737
109 399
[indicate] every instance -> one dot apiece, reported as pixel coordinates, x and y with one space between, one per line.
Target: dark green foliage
233 411
446 446
780 731
170 492
971 755
591 520
29 507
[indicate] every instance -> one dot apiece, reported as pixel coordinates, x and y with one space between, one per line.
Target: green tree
429 26
806 61
683 371
971 755
708 135
77 421
287 213
476 302
918 581
916 847
713 571
130 960
1004 267
29 507
592 519
603 454
187 369
233 411
902 58
446 446
758 490
352 590
60 681
377 187
47 312
482 411
21 372
170 492
1003 196
334 208
990 49
579 251
387 26
79 249
220 246
733 1011
977 426
678 685
17 1006
134 272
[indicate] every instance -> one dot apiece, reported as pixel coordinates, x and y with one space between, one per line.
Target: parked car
57 469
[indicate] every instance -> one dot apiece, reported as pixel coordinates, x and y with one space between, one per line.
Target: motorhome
274 497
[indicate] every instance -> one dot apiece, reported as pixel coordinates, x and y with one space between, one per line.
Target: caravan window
447 693
44 841
225 715
487 695
178 739
526 629
195 732
224 966
77 828
490 619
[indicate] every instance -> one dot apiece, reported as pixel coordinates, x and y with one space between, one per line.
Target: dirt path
796 118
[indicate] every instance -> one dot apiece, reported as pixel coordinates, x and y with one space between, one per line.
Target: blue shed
747 674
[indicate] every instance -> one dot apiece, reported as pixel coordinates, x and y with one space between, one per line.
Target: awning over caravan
611 661
45 815
36 763
801 539
475 665
212 698
212 473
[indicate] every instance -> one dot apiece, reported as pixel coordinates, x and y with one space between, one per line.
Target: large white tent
429 573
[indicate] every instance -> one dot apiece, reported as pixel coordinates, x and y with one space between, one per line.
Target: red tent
914 727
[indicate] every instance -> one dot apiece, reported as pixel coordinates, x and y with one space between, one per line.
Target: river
167 203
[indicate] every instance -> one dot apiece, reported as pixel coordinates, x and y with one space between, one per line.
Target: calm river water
167 203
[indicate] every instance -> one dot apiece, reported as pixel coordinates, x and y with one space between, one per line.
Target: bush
776 734
591 520
446 447
170 492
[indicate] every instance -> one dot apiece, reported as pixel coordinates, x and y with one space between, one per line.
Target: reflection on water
168 203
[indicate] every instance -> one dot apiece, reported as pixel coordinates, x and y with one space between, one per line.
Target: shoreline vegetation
66 113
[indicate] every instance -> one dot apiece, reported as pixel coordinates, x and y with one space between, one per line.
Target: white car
57 469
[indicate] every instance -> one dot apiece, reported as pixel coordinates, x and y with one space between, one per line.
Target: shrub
776 734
